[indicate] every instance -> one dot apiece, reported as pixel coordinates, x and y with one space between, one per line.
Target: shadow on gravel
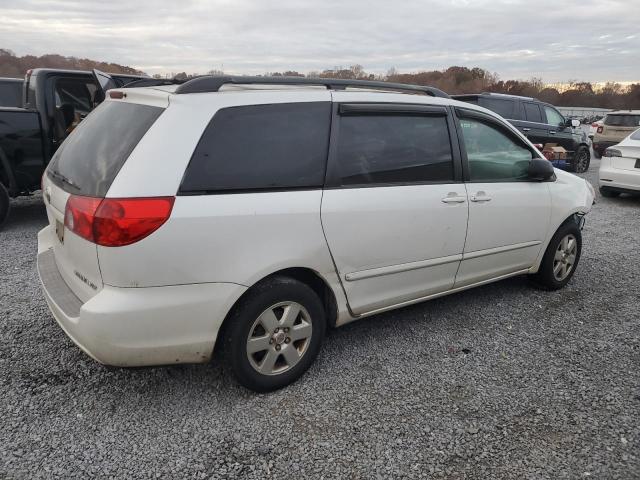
25 213
439 309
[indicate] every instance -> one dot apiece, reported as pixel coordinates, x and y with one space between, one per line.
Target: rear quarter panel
233 238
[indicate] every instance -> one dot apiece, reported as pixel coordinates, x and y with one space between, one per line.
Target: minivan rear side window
257 147
393 149
532 112
93 154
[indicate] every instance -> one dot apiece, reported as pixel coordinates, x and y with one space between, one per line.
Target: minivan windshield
619 120
93 154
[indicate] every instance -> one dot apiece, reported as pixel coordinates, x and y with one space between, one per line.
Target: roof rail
213 84
153 82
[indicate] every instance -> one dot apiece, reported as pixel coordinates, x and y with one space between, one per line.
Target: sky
558 41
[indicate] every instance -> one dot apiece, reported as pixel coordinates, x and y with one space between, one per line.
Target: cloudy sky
559 40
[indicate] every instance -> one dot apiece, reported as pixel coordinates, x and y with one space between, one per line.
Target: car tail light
115 222
612 152
600 129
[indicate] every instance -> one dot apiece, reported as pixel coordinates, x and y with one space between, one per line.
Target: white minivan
251 214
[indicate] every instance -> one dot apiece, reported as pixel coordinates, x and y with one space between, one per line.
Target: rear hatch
619 125
80 173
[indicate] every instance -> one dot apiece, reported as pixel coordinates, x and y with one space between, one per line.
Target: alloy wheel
565 257
279 338
582 162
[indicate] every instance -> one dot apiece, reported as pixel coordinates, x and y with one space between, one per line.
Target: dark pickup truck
540 122
53 102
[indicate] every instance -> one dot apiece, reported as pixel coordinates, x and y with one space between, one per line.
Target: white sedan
620 167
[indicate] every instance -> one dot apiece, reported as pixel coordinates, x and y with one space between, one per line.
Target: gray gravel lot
504 381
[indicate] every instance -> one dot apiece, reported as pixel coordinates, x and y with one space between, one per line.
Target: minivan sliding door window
393 149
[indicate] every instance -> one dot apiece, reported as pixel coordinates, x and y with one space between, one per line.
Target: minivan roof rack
213 84
489 94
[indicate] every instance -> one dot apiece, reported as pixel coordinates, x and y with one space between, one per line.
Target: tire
581 160
608 193
259 334
561 252
5 204
596 154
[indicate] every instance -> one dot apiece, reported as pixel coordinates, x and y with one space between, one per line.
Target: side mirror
540 169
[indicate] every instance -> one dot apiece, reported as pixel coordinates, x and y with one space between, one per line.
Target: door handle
552 132
480 197
526 129
453 197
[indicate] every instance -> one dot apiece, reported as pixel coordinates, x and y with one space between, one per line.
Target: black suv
540 122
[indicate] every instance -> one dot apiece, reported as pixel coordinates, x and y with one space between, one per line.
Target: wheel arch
305 275
573 217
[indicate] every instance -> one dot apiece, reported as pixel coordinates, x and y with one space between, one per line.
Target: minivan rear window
91 157
622 120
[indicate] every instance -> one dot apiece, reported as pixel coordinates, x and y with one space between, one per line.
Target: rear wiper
64 179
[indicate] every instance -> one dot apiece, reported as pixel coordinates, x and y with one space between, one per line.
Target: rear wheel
4 204
581 159
274 334
596 154
561 258
606 192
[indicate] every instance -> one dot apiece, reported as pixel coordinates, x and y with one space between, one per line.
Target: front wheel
561 257
274 334
4 204
581 159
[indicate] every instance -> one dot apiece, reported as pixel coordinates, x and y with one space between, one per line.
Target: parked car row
225 214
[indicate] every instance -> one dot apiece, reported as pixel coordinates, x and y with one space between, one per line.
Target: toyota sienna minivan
248 215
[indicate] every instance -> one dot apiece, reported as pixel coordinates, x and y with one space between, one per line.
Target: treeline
14 66
452 80
455 80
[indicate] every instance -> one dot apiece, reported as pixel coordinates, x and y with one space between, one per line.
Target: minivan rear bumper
138 326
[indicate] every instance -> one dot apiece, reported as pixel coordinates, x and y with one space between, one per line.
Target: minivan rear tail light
115 222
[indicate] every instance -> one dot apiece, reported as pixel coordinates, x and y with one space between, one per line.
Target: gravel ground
504 381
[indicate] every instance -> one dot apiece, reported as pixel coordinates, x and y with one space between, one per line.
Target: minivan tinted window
622 120
388 149
93 154
261 147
